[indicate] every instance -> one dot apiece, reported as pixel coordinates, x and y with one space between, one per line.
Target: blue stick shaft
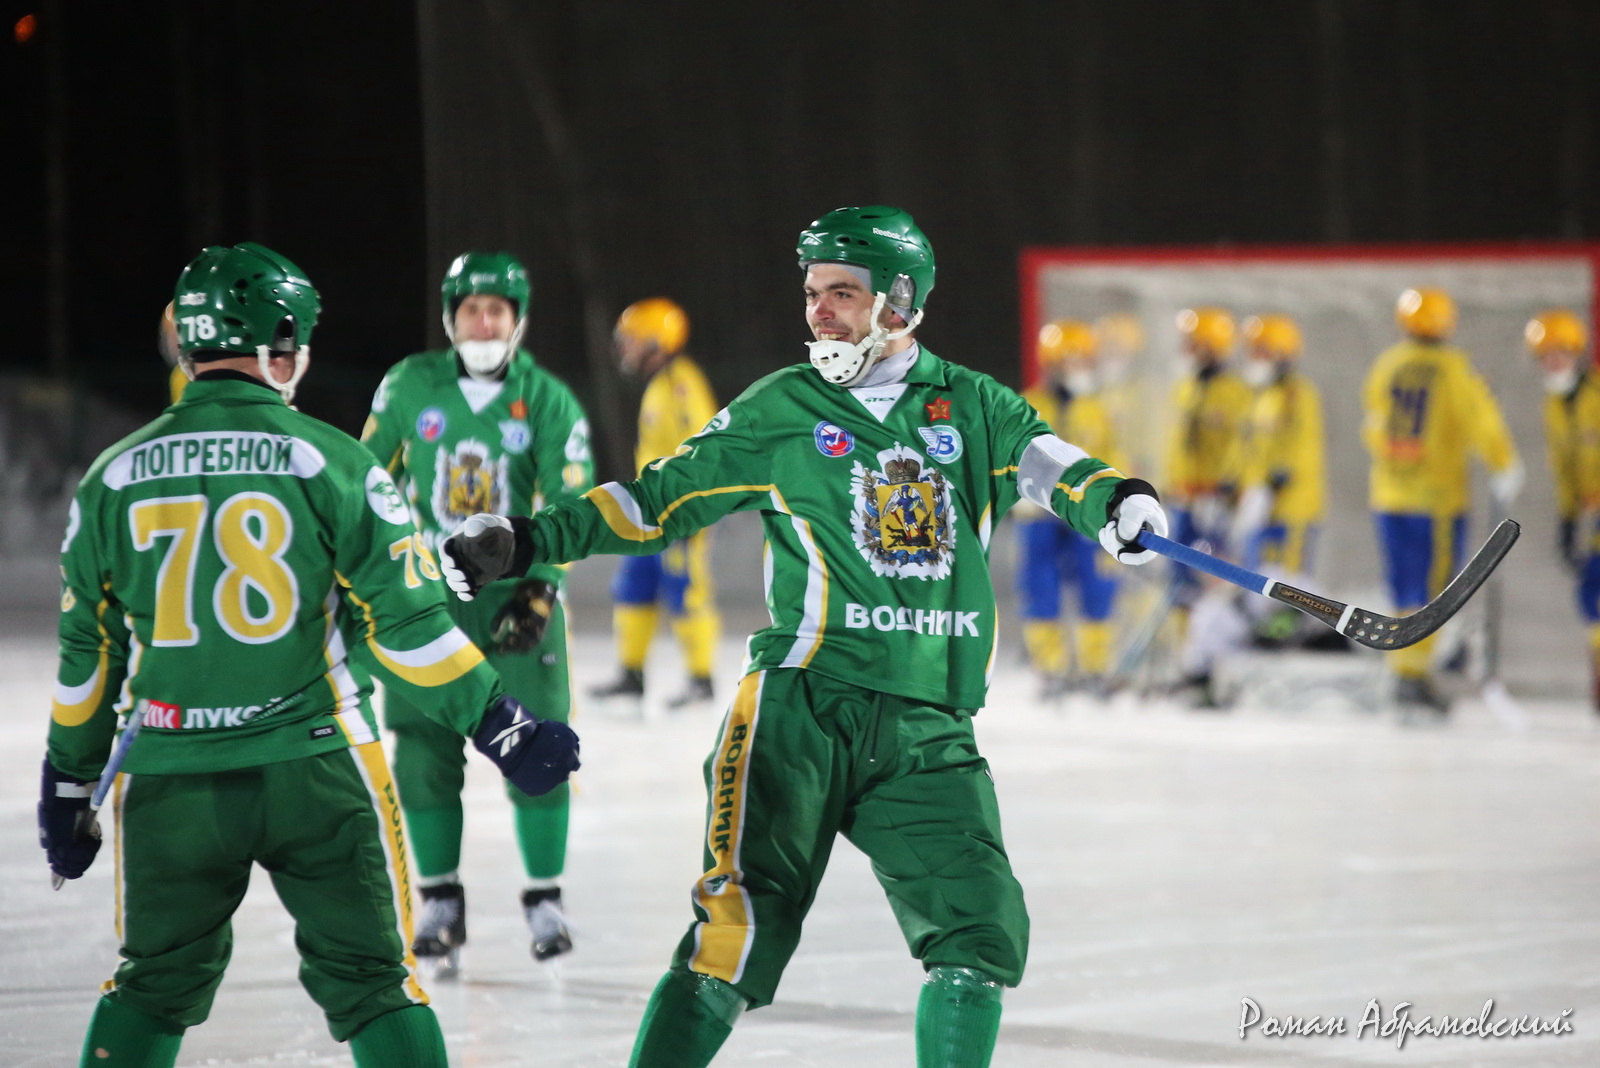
118 755
1200 561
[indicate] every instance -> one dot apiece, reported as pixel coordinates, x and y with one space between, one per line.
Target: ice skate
1420 703
622 696
442 931
697 692
547 924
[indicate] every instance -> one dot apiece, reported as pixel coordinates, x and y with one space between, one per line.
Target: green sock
958 1018
688 1019
435 839
405 1038
120 1037
542 834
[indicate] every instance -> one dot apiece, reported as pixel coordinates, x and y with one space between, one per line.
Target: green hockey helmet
498 274
244 299
885 241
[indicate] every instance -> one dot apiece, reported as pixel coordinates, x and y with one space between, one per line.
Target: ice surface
1174 864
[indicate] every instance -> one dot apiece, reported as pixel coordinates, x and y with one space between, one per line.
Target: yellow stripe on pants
386 805
722 944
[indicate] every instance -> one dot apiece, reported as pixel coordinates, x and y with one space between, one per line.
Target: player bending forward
880 471
220 567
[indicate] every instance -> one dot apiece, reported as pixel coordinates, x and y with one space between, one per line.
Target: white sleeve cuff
1041 467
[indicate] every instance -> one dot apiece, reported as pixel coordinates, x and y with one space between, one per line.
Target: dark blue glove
67 829
537 755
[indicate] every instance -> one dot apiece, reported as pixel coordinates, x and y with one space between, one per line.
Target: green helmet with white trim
884 240
497 274
245 299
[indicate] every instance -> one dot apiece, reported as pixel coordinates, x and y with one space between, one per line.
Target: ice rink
1312 859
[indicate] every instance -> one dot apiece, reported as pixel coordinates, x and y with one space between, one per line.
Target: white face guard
264 357
845 364
1259 374
1560 383
485 360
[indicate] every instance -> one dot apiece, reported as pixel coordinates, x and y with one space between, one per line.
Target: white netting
1345 308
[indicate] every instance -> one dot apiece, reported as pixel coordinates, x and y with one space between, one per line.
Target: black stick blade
1378 631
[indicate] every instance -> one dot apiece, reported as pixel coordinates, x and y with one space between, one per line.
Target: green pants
326 829
803 757
430 760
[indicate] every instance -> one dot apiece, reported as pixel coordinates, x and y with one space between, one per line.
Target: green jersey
463 446
878 505
237 567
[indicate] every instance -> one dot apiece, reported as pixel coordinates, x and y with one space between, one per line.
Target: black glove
1567 544
67 828
520 625
537 755
483 549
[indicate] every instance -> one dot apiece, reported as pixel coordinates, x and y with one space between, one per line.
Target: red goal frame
1034 260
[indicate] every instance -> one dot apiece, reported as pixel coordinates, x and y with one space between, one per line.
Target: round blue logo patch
833 440
430 424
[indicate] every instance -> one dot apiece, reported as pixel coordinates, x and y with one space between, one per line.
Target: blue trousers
1054 554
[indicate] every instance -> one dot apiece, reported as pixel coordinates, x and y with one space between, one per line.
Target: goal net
1343 299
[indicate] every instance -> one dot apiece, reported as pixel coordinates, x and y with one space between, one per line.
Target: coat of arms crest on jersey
904 517
468 480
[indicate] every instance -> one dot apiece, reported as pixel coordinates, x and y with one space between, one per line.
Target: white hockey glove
1133 507
1506 484
483 549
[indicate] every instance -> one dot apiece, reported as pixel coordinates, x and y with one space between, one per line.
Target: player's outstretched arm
720 470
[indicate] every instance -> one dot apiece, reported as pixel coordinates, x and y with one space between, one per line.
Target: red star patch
519 409
938 409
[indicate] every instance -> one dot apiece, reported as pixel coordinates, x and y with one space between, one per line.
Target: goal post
1343 298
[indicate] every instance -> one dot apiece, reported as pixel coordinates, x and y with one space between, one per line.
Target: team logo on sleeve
904 517
430 424
466 481
384 498
833 440
944 443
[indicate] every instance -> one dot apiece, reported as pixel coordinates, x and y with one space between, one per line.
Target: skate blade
440 969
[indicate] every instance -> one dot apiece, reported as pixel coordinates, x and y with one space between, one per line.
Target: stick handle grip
1200 561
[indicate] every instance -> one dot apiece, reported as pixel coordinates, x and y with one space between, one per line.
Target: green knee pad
688 1019
120 1037
405 1038
958 1018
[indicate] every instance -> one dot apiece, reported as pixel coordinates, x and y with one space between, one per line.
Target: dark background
624 149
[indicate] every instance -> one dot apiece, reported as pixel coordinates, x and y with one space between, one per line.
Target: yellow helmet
1065 339
1208 328
1556 330
657 320
1121 332
1426 313
1275 334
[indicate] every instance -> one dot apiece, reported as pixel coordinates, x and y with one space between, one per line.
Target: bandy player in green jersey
481 427
880 471
233 573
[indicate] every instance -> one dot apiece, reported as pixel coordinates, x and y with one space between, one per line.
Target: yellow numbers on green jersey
416 555
256 597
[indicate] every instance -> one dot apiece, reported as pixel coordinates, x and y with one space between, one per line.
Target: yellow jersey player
1211 407
677 404
1051 553
1558 339
1282 483
1427 411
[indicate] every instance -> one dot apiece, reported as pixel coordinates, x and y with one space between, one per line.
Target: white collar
892 369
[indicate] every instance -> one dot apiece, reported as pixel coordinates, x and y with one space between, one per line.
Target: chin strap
264 357
845 364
